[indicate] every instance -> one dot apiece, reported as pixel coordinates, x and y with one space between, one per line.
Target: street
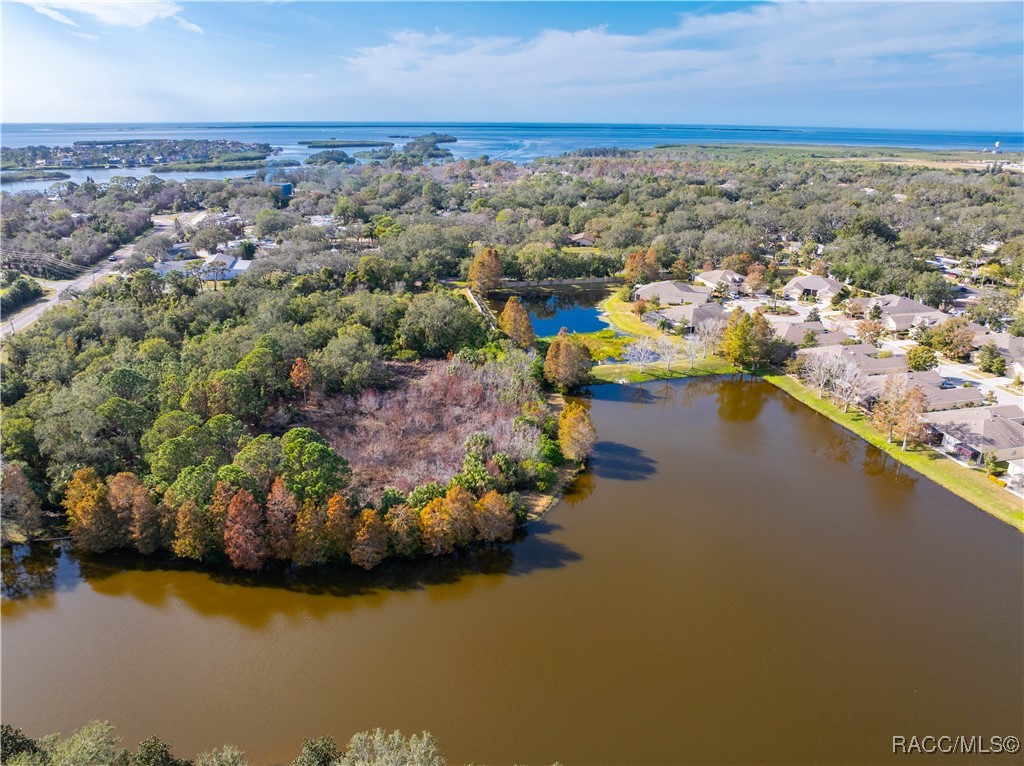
162 224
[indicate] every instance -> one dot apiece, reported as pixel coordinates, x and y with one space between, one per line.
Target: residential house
690 315
1011 348
671 293
812 288
731 279
939 393
582 240
223 267
970 433
871 360
795 332
899 314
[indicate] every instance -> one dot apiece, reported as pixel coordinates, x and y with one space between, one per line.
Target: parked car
112 258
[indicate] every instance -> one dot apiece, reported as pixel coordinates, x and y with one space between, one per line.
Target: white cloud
117 13
782 45
188 26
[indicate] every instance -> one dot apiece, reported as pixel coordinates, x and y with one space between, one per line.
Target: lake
551 310
737 580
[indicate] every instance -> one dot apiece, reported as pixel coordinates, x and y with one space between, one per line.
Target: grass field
970 484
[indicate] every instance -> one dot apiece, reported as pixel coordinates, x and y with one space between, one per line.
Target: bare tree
667 350
710 332
821 371
848 382
641 352
911 422
691 347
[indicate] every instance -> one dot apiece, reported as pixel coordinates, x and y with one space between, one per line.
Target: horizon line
456 123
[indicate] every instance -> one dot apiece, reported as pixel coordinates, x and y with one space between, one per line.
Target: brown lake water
738 580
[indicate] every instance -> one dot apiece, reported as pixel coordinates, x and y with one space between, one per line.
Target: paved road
161 224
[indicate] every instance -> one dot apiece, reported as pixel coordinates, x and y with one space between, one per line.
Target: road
26 317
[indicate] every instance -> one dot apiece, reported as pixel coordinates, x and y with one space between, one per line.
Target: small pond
551 310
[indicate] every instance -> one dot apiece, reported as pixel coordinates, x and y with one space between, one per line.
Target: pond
551 310
737 580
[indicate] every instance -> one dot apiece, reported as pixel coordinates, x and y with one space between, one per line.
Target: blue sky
946 65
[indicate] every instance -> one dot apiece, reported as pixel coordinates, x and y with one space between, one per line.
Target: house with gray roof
970 433
672 293
940 394
871 360
795 332
728 277
690 315
812 288
1011 348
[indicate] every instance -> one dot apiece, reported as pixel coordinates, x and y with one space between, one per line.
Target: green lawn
970 484
620 313
611 373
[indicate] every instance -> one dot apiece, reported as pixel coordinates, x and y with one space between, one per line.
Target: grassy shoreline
973 485
970 484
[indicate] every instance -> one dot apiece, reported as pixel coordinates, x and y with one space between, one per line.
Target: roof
720 275
672 292
692 313
794 332
815 283
931 383
899 312
1010 346
983 428
865 355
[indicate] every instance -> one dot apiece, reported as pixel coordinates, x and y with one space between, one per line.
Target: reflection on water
614 460
551 310
32 571
740 402
28 570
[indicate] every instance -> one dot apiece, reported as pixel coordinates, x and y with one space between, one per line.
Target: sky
922 65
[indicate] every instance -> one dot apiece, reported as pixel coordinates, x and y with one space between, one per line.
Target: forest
341 402
99 743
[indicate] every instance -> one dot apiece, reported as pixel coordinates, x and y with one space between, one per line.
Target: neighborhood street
26 317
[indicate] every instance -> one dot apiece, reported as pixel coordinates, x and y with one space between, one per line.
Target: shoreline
968 484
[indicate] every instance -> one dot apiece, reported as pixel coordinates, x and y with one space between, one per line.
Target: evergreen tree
989 360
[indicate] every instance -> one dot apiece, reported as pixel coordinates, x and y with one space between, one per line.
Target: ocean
517 142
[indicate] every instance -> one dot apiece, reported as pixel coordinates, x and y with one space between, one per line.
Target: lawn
611 373
620 313
970 484
603 344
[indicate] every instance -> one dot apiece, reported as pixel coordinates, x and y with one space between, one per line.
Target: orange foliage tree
244 534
